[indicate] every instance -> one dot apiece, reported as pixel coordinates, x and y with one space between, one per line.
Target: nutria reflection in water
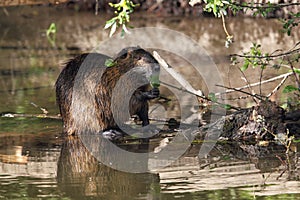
85 90
80 175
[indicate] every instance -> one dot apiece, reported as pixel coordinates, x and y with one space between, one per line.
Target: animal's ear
137 52
126 52
132 49
122 54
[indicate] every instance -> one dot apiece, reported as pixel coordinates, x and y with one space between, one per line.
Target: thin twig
182 89
248 84
255 84
278 86
238 98
224 26
44 110
239 90
294 73
260 78
96 7
268 56
203 97
263 6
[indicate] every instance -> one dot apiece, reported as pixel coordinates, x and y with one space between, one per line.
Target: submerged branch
45 116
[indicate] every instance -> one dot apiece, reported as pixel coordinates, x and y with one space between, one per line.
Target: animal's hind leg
143 115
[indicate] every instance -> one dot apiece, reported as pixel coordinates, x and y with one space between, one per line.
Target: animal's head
139 61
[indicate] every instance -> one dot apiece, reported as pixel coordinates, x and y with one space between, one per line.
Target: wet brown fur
91 108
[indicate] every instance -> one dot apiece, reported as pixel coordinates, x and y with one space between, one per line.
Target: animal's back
75 91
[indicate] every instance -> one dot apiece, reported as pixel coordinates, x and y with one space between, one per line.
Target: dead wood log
264 122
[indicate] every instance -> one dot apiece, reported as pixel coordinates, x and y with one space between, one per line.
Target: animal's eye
123 56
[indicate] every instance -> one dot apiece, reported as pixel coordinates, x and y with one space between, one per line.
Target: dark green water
37 163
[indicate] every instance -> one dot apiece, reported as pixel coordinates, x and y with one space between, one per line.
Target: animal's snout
156 68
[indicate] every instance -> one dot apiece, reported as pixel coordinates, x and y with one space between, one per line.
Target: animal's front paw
152 94
112 135
155 92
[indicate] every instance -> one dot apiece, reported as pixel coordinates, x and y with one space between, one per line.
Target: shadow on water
80 176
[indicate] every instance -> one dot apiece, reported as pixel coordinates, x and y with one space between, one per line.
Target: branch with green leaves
222 6
289 24
257 58
220 9
123 10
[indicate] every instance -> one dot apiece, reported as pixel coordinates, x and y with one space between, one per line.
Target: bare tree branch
258 83
178 77
268 56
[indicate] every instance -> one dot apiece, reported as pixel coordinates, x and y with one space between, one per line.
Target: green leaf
51 29
125 29
223 11
154 81
109 63
122 10
227 106
109 23
245 65
51 34
289 88
212 97
297 70
113 29
289 31
111 5
215 9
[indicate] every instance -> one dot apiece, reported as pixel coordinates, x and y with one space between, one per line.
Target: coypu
85 90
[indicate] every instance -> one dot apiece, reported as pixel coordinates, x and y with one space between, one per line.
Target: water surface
36 162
